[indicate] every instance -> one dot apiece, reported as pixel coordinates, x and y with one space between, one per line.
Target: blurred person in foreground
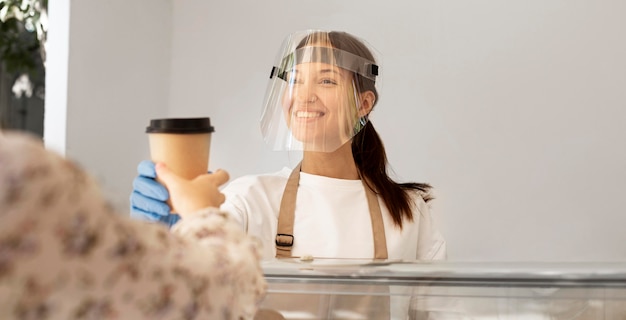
65 253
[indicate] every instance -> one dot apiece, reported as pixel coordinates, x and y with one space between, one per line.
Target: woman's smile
305 114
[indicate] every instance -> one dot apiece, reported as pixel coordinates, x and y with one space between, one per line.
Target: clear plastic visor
315 99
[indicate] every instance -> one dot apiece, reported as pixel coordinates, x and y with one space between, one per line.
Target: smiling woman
313 108
339 202
324 83
321 91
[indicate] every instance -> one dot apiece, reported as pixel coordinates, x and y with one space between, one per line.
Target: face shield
321 90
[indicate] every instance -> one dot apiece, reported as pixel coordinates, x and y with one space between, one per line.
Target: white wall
514 111
117 77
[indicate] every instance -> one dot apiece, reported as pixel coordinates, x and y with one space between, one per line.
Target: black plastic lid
180 125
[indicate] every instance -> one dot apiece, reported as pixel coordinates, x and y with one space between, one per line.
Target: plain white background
513 110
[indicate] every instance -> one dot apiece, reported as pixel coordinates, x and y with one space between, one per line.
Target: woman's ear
368 98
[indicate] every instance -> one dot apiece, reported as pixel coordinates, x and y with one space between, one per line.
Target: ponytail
371 160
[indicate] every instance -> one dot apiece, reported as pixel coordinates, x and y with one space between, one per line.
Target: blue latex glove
147 202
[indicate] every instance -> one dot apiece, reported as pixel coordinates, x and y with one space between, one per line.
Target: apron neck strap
286 215
284 234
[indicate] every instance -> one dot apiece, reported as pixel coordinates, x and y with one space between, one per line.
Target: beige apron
370 306
284 234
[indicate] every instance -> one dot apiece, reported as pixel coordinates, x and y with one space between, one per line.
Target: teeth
308 114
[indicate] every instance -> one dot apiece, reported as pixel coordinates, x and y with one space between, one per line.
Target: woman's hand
189 196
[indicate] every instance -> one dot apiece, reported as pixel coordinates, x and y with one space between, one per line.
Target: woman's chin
321 146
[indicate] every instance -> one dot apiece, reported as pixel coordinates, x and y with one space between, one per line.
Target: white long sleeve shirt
331 218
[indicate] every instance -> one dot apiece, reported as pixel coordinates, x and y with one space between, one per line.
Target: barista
339 202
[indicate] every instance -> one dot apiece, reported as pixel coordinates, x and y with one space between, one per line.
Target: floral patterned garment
64 254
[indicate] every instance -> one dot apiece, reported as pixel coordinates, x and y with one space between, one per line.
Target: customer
65 253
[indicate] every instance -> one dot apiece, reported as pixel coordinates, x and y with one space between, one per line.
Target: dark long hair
367 147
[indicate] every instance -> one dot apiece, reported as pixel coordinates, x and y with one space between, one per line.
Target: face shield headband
332 56
314 100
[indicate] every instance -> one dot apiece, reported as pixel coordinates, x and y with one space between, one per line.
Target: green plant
23 28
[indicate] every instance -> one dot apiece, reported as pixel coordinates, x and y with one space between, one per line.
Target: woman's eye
328 81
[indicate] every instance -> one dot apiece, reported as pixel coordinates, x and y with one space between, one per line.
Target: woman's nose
305 96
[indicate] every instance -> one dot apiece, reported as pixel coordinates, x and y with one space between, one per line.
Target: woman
339 202
64 253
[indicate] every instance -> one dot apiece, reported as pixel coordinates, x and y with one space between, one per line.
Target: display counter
359 289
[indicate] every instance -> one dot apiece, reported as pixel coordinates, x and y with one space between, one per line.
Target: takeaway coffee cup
183 144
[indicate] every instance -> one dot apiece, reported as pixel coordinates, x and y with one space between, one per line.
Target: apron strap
286 215
284 233
378 227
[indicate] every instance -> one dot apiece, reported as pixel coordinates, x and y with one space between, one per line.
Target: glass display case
353 289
